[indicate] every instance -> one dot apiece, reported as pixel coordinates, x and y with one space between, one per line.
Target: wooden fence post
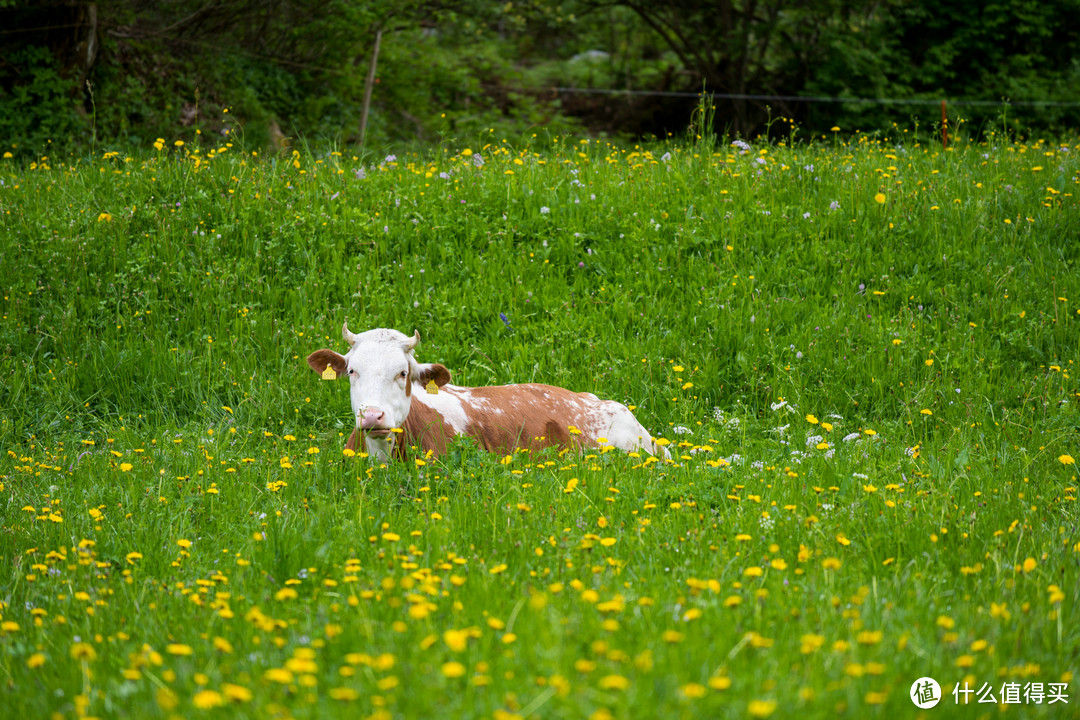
944 127
368 86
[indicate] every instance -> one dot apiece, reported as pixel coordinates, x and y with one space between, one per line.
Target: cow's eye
404 374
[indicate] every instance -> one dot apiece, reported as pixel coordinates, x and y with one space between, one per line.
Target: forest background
75 74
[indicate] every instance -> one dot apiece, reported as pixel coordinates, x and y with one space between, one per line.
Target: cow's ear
433 371
319 359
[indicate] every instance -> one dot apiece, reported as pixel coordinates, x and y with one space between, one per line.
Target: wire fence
815 98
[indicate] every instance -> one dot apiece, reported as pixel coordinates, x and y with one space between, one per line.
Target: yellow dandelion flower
83 651
179 649
869 637
761 708
453 669
278 675
236 693
880 198
35 661
693 690
613 682
811 642
456 640
811 419
1029 564
345 694
1066 460
207 699
720 682
126 467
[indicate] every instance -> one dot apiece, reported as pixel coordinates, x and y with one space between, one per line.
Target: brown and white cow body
389 390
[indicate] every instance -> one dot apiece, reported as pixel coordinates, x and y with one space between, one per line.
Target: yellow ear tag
432 388
329 374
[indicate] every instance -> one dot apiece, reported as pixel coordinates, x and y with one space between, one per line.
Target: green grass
180 527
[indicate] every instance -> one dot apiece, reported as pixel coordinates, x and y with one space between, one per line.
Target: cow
394 395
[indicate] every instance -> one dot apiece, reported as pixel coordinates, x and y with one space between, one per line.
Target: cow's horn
411 344
348 336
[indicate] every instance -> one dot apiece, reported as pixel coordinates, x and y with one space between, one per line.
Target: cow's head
382 374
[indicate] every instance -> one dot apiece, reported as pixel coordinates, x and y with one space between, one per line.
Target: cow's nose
372 417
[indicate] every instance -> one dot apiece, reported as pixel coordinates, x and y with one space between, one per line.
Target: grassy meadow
862 349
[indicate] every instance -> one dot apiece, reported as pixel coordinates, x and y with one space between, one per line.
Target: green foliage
292 72
35 102
1012 51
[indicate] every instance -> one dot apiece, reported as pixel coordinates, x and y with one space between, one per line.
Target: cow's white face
380 369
